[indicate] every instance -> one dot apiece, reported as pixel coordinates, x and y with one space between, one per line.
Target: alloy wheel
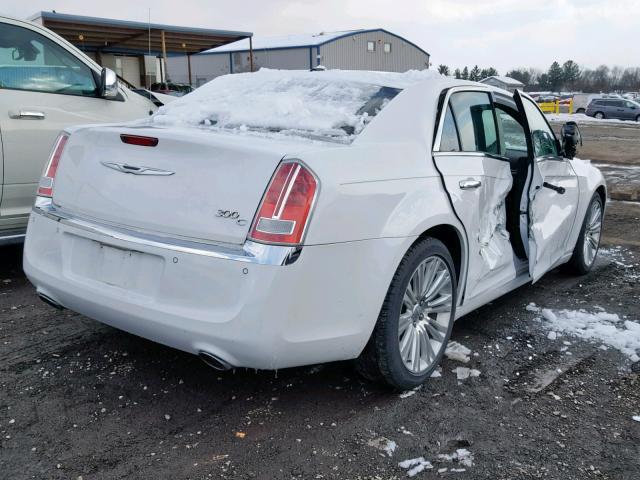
425 315
592 231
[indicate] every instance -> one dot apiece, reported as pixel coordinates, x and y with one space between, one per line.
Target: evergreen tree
543 82
521 75
465 73
457 74
488 72
474 75
555 76
443 70
570 73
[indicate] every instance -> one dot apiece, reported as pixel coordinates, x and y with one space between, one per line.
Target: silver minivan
615 108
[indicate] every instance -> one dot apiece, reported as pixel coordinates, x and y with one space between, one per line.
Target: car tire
598 115
586 249
638 118
429 325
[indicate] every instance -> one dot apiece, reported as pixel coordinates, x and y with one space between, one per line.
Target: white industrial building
375 49
507 83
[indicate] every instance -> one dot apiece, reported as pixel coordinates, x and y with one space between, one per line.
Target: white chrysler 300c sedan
277 219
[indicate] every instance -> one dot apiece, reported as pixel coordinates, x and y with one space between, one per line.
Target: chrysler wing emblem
132 169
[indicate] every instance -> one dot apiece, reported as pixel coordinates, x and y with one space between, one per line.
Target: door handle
27 115
555 188
469 184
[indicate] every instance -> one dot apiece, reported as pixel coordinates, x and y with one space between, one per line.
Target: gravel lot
80 399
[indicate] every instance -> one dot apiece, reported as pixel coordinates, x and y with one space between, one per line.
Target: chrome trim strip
250 252
12 239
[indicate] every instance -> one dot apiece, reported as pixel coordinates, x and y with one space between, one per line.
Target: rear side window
475 121
514 140
449 142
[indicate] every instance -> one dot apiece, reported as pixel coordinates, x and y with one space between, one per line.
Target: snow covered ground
607 329
581 118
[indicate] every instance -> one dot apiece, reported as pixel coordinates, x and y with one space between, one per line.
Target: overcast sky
499 33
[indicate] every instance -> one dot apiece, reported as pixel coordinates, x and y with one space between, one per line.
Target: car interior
514 148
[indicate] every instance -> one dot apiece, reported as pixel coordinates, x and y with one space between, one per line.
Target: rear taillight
286 206
45 187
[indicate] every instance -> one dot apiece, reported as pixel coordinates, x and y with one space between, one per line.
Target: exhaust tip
50 301
213 361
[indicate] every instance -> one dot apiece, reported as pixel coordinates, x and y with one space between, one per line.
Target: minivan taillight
45 187
286 206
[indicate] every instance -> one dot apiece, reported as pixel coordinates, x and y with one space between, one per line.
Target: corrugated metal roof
282 41
65 17
297 41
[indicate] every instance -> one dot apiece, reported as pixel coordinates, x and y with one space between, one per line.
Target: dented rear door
477 181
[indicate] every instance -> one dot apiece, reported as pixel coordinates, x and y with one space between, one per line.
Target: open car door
553 193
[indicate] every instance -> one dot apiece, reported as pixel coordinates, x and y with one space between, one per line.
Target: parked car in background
348 215
581 101
175 89
546 98
615 108
46 85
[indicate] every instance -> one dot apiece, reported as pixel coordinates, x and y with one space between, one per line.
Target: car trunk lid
192 184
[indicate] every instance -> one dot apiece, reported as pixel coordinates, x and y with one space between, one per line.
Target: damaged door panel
553 195
478 182
482 211
554 199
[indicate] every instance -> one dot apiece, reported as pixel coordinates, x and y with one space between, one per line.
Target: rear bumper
258 306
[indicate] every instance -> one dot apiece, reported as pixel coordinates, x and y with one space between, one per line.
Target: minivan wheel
416 318
586 249
599 115
638 118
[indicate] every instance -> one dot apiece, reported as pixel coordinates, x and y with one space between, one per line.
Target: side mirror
571 137
108 83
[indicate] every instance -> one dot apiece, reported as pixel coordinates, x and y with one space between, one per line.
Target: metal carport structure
105 35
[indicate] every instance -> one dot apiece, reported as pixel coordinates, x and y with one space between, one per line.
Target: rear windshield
315 105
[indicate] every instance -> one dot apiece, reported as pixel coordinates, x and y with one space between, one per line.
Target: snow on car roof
329 105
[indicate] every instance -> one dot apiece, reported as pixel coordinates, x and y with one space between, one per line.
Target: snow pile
606 328
408 393
332 104
383 444
461 456
415 465
457 351
390 447
532 307
636 418
581 118
462 373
